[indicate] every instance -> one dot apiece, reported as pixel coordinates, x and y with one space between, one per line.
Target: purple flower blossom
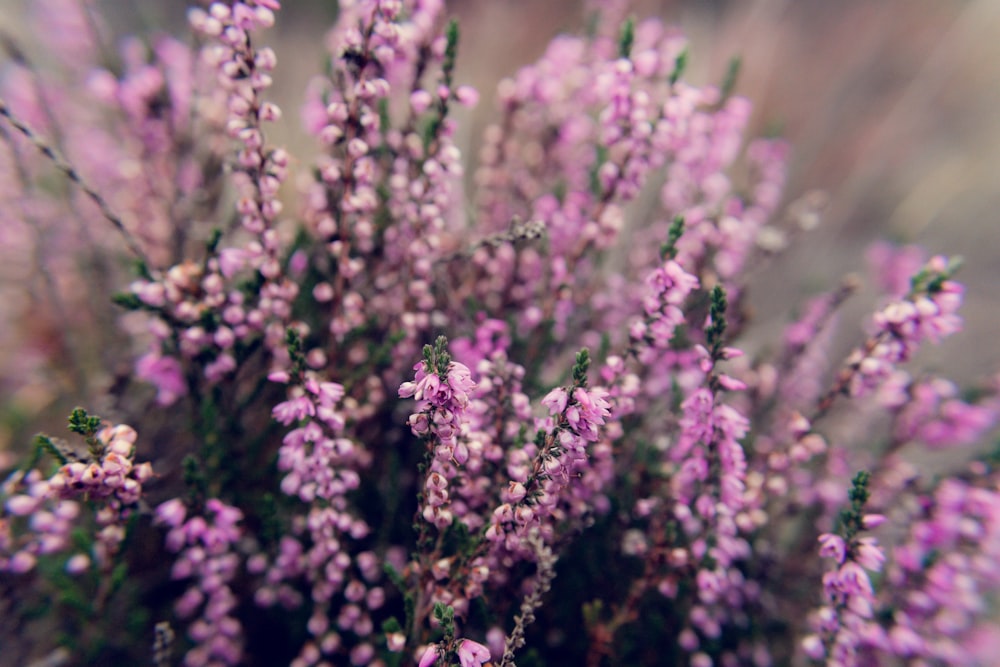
472 654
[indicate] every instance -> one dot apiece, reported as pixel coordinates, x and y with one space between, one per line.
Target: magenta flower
429 656
556 400
165 373
832 546
868 554
293 410
472 654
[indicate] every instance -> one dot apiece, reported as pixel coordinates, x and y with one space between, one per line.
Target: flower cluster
928 312
469 654
322 468
324 501
669 287
937 578
559 476
107 479
206 548
50 523
844 622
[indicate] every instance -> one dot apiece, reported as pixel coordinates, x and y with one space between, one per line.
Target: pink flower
472 654
467 96
832 546
294 410
329 393
163 372
172 512
556 400
868 554
813 647
853 580
429 656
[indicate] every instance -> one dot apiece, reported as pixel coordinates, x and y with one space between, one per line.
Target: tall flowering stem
71 173
548 481
320 467
927 312
441 387
206 545
202 315
845 623
546 561
710 505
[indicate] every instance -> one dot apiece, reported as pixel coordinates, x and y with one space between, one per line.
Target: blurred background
891 108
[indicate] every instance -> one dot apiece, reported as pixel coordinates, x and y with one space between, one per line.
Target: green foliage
680 64
293 342
930 281
44 445
127 300
669 248
851 520
592 612
580 368
600 157
194 477
394 576
451 34
715 332
732 76
213 241
82 423
626 38
436 358
445 615
142 270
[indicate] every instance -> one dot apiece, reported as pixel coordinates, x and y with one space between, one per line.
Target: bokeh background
892 108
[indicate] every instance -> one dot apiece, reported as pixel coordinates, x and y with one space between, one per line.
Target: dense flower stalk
845 622
441 388
321 469
206 548
928 312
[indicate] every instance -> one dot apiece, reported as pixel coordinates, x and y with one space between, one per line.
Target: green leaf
669 249
581 367
127 300
732 75
626 38
394 576
680 64
450 50
44 444
82 423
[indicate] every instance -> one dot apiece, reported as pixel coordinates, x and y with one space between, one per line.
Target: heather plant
390 405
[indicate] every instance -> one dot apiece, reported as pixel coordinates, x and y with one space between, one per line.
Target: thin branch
546 562
56 300
62 165
519 231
